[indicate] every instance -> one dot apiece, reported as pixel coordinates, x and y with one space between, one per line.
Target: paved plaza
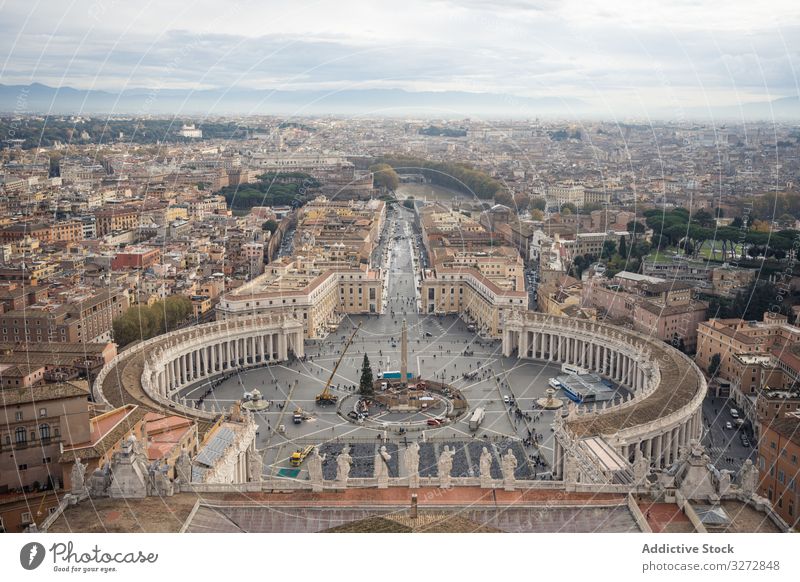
437 346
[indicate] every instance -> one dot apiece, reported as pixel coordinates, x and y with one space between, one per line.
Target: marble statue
183 468
255 465
444 467
382 457
99 482
343 461
315 469
509 463
724 482
641 467
162 484
78 477
748 478
411 461
486 468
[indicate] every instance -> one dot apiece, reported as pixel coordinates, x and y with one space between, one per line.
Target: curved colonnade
662 414
664 411
154 371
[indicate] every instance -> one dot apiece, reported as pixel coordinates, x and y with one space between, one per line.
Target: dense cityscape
199 308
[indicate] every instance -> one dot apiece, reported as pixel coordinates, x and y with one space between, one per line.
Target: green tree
270 225
623 247
142 322
521 201
569 208
635 228
539 204
590 207
365 386
176 309
703 218
409 203
609 248
505 198
713 366
384 176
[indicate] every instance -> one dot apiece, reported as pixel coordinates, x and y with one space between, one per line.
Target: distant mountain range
38 98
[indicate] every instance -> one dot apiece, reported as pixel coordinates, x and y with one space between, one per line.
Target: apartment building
659 308
39 419
754 355
110 220
80 316
305 292
779 465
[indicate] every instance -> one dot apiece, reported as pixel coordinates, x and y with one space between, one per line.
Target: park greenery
438 131
691 232
142 322
783 207
281 189
749 303
47 131
459 177
384 176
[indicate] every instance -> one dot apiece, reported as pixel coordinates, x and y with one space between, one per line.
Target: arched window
19 435
44 431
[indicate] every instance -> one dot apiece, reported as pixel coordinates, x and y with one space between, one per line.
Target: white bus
476 419
573 369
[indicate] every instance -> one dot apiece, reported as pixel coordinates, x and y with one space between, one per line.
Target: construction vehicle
300 455
326 396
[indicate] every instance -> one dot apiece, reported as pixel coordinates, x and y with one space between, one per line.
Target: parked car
728 425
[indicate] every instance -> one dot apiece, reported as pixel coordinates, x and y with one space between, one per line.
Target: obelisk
404 356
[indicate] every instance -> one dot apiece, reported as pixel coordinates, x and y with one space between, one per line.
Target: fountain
254 401
550 402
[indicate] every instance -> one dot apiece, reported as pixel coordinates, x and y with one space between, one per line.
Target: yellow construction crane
326 396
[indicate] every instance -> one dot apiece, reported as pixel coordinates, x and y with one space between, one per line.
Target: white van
734 413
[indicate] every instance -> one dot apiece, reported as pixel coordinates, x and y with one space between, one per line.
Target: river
431 192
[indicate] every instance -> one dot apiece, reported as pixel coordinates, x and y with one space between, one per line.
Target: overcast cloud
676 53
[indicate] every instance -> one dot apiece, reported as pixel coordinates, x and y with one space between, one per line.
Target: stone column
657 442
283 353
558 459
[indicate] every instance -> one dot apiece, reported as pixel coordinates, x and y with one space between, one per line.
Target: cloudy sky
672 53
